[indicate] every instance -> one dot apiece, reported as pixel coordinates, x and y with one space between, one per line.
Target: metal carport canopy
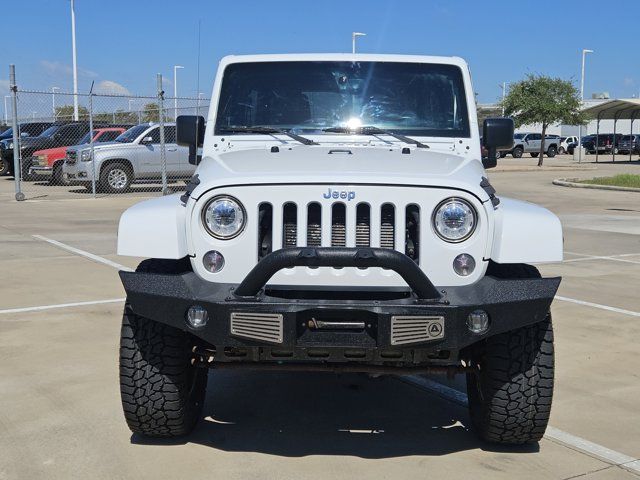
621 109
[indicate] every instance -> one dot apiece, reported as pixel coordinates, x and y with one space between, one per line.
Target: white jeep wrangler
340 220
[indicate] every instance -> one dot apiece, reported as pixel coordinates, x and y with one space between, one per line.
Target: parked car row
604 143
610 143
121 155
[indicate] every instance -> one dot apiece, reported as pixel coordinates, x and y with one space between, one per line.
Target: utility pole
584 54
75 62
175 90
354 35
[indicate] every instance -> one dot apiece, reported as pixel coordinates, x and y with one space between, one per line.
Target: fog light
464 264
213 261
478 322
197 316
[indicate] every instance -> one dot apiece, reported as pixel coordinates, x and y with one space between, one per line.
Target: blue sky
123 44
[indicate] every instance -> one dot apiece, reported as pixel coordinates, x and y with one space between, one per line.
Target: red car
49 162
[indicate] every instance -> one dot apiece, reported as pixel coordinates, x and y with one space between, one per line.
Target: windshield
7 133
131 134
409 98
50 131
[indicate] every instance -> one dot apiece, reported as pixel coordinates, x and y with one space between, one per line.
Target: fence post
17 161
93 161
163 155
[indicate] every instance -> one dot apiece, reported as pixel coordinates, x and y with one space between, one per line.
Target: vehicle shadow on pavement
299 414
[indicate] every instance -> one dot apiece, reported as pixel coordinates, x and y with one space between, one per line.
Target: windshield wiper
369 130
267 130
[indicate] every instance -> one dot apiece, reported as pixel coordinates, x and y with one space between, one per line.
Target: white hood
341 165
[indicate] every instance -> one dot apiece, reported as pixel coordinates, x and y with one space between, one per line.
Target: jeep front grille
339 224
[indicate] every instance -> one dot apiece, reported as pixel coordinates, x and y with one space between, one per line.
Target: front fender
154 229
525 233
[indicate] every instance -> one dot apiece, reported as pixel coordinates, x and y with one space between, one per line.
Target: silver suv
134 155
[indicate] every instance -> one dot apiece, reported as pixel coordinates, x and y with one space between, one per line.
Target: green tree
544 100
65 112
151 112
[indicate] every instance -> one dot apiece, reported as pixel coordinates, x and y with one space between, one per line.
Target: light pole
354 35
75 62
6 114
175 89
504 94
584 54
53 101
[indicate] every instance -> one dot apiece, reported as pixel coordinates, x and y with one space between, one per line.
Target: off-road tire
510 393
551 152
4 167
57 177
119 170
162 392
517 152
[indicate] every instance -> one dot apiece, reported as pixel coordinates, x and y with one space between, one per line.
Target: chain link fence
93 144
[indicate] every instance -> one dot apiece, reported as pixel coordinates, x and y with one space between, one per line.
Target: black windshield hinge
191 186
487 187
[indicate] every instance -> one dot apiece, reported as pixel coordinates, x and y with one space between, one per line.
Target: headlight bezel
85 155
203 217
474 214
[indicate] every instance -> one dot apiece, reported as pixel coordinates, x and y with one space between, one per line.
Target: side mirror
497 134
190 133
146 140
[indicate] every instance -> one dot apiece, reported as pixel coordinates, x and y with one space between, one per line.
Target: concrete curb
533 168
573 182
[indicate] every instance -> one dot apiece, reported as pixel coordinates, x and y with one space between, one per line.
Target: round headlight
224 217
454 220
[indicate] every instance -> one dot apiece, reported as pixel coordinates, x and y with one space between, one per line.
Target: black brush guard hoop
337 257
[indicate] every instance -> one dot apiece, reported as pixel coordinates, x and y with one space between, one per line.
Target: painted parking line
554 434
598 305
614 258
82 253
61 305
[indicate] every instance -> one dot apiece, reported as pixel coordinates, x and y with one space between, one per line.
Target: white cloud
58 68
109 87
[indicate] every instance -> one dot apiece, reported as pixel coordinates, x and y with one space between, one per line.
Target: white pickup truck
340 220
530 143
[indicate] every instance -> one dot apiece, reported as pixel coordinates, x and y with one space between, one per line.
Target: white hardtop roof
344 57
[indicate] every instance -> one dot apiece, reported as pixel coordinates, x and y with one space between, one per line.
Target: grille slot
264 327
412 238
387 226
414 329
363 225
265 230
338 225
289 225
314 225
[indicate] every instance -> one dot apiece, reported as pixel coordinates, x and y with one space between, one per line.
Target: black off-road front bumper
247 323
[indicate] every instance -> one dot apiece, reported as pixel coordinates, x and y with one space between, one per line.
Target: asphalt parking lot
60 412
